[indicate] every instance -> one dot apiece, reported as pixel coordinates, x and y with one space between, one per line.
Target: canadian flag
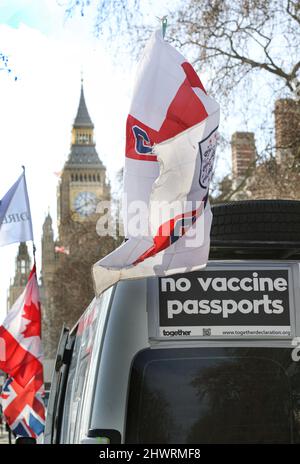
21 359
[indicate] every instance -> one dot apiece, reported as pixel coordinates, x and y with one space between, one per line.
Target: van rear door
58 386
237 394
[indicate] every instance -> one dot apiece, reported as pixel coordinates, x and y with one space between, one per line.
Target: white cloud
37 111
47 54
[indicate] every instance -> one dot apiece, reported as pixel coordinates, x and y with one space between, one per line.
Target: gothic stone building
22 271
66 284
66 262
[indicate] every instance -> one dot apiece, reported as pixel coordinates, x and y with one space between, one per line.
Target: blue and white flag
15 216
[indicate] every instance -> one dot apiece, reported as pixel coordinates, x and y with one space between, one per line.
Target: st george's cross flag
21 360
15 216
171 140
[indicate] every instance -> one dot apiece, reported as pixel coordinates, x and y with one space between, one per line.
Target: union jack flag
24 407
21 359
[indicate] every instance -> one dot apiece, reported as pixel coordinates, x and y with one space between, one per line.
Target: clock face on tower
85 203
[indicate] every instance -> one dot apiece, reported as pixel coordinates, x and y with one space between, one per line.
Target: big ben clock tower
66 262
83 180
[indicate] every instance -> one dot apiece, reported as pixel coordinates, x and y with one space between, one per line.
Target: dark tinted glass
207 395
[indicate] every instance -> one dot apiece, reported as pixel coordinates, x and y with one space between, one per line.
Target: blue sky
33 13
47 53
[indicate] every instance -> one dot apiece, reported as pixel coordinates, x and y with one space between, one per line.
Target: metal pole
164 23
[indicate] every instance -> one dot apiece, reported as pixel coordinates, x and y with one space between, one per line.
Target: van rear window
214 395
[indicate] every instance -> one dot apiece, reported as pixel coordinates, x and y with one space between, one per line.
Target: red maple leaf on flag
32 313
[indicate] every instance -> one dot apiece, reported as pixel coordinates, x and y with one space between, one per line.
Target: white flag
171 141
15 216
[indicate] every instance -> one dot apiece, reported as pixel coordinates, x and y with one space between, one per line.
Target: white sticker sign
225 303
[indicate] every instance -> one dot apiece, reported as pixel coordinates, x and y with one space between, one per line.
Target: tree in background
5 65
72 288
236 40
251 49
67 284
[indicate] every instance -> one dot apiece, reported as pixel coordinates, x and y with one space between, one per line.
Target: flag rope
33 244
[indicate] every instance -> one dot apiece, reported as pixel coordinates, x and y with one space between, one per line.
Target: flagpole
33 244
33 251
164 23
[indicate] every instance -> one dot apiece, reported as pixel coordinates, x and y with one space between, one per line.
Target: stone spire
23 266
83 149
83 119
48 253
